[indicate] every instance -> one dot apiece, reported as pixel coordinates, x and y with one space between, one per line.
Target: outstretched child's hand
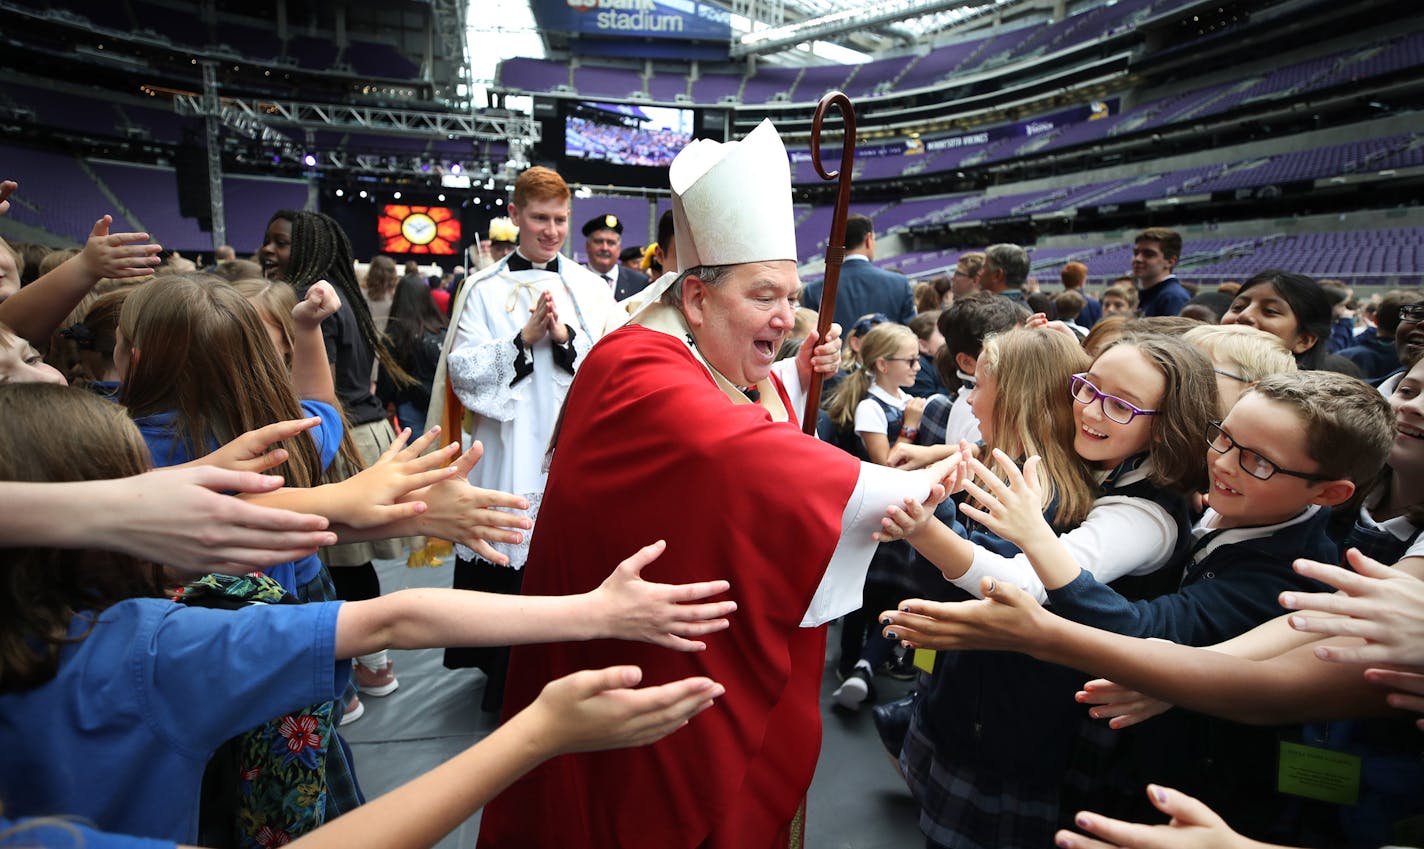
1408 689
1013 510
631 608
1380 604
1193 826
117 255
905 522
7 188
249 452
1119 705
595 709
321 301
1008 619
465 514
373 497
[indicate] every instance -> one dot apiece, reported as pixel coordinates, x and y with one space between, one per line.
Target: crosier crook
835 251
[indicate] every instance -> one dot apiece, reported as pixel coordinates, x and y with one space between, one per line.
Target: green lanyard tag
1317 773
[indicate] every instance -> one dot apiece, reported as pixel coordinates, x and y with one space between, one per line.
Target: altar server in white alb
520 329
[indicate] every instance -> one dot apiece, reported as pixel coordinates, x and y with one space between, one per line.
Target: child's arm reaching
38 309
361 505
1014 511
623 607
582 712
466 514
1295 687
253 451
1193 826
958 559
177 517
311 372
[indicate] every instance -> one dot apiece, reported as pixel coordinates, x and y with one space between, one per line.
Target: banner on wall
1094 111
675 19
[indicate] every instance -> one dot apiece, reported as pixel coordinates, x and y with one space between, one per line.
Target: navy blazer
865 289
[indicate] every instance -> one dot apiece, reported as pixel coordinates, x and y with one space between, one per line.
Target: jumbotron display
407 229
624 134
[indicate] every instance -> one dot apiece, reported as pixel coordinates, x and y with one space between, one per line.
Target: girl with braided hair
302 248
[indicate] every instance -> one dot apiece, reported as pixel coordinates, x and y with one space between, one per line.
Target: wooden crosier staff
835 251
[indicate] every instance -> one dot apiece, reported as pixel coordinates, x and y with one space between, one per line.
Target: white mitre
731 202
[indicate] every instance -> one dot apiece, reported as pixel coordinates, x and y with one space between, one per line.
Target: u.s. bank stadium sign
687 19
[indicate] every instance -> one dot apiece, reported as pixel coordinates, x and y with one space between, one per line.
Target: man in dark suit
604 235
863 288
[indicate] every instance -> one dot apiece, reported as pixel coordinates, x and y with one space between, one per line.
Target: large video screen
626 134
405 229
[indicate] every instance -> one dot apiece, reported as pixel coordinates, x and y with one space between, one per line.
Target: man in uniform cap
518 331
632 258
604 235
660 440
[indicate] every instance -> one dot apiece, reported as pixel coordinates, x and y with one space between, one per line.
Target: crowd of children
1120 478
1157 479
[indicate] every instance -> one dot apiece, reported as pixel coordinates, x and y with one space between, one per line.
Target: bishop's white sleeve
1121 536
481 364
841 586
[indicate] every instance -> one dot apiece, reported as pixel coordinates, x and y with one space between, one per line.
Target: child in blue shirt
112 697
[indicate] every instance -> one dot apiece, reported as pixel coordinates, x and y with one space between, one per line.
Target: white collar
1399 527
897 403
1229 536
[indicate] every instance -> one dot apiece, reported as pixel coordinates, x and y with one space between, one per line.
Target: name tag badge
1317 773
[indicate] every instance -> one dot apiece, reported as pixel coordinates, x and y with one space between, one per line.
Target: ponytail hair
880 342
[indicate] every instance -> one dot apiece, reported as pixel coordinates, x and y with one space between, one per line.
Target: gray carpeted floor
857 799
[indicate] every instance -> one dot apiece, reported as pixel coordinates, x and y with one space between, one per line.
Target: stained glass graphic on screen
419 230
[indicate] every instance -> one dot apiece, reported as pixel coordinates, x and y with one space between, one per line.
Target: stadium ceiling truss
791 22
478 126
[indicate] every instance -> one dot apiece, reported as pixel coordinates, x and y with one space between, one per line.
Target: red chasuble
652 449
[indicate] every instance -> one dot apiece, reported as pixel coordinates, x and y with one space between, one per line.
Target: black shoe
856 690
892 722
900 668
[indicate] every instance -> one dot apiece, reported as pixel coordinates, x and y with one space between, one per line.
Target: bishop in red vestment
657 441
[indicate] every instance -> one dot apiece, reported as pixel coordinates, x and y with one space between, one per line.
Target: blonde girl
870 400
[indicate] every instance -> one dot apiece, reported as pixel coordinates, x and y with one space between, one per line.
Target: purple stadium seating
711 88
313 52
871 75
665 86
596 81
176 24
937 64
768 82
56 194
533 74
377 59
818 80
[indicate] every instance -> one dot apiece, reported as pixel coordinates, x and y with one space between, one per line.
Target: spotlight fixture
396 195
363 193
310 160
341 193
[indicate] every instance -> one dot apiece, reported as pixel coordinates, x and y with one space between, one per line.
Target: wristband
909 432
